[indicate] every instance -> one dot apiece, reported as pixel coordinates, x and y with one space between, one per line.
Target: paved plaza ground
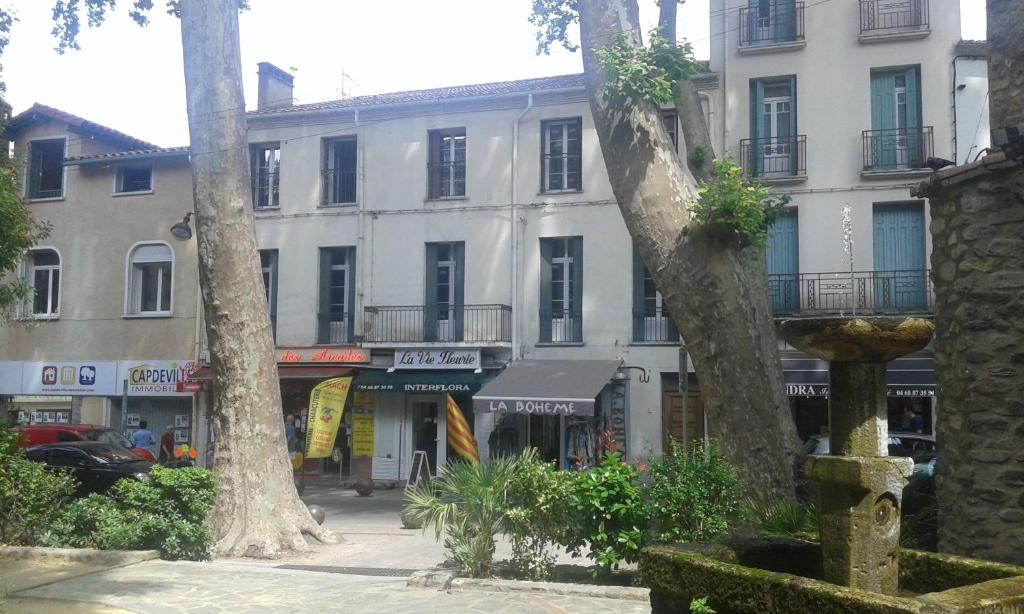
366 572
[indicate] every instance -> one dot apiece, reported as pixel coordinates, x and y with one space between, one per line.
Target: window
150 269
651 319
774 149
896 139
266 175
134 179
670 118
443 312
46 169
44 277
339 172
337 295
268 264
561 291
447 168
561 155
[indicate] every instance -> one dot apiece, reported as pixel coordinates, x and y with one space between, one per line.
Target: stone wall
978 268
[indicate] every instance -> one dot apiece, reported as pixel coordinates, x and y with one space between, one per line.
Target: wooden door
686 426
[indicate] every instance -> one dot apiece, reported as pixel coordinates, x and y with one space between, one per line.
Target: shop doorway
681 421
424 417
543 435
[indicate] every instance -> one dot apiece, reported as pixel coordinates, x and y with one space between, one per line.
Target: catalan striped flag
459 436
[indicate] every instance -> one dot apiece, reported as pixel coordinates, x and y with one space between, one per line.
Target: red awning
289 372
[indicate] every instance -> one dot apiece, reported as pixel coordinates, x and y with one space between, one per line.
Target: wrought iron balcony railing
438 324
863 292
778 22
774 158
334 327
884 16
654 326
897 149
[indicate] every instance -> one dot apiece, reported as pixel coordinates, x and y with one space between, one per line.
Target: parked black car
96 466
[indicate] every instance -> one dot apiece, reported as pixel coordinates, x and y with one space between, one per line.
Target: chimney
275 87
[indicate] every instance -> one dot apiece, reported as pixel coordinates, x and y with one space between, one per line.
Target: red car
38 434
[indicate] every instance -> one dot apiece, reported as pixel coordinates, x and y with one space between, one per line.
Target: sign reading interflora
437 359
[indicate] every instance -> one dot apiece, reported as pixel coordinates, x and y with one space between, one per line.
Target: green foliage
30 497
742 207
608 514
553 19
698 157
786 519
645 73
538 516
18 232
165 513
467 504
693 494
920 530
700 606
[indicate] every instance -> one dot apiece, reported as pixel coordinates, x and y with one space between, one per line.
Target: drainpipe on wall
513 220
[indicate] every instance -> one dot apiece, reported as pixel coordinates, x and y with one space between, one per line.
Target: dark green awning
419 382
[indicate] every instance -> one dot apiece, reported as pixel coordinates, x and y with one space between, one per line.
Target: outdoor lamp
182 230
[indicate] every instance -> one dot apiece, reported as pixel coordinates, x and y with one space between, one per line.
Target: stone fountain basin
857 339
782 576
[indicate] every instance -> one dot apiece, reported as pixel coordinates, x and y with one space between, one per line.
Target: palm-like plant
467 504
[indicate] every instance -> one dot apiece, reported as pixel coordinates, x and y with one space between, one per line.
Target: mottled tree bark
977 228
257 511
714 286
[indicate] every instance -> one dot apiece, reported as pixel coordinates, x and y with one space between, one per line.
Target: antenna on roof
342 92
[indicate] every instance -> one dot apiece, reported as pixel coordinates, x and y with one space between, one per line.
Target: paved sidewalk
162 587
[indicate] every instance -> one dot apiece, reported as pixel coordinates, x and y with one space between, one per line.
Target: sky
130 78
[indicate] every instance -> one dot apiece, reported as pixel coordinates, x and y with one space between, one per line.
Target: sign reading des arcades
306 356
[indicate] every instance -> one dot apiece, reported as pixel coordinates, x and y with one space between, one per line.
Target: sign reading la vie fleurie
437 359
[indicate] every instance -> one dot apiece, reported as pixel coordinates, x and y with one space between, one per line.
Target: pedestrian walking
142 438
167 446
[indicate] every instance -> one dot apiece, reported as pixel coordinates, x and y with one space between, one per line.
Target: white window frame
29 275
338 330
28 172
653 325
119 176
446 317
561 327
329 198
131 306
272 202
547 124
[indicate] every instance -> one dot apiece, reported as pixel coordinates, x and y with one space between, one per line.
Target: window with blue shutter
652 322
899 247
561 290
336 320
444 301
783 259
773 149
896 139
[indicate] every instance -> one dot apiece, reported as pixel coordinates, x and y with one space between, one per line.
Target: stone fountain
861 485
858 566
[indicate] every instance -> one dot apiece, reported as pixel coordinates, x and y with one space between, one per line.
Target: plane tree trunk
257 512
714 285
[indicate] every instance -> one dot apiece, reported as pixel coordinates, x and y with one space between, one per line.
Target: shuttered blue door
784 264
900 275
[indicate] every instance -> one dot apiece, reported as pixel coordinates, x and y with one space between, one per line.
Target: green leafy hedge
30 497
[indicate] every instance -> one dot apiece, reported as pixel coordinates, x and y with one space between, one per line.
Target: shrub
538 517
787 519
30 497
165 513
608 513
693 495
743 208
467 504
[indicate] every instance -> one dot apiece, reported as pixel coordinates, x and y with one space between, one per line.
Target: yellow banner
326 404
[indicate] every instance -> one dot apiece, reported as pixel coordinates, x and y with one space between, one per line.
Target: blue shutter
576 246
883 117
915 144
900 275
784 20
638 297
350 299
794 149
544 296
757 128
430 291
324 317
783 256
460 290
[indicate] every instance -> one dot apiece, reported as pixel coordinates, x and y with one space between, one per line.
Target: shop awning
547 387
288 372
910 376
419 381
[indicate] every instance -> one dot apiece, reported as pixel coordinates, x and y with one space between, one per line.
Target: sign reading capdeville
437 359
156 378
326 404
80 378
543 407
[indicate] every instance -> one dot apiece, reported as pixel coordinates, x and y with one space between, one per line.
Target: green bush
165 513
731 202
787 519
467 504
30 497
608 514
538 517
693 494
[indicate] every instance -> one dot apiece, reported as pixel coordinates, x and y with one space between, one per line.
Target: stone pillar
978 239
857 414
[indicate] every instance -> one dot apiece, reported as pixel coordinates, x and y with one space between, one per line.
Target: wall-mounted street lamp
182 230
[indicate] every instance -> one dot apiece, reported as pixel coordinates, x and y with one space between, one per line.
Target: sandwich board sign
420 471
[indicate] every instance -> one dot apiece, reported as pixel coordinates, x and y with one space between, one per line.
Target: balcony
654 326
420 324
334 328
897 151
860 292
882 20
775 160
772 26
